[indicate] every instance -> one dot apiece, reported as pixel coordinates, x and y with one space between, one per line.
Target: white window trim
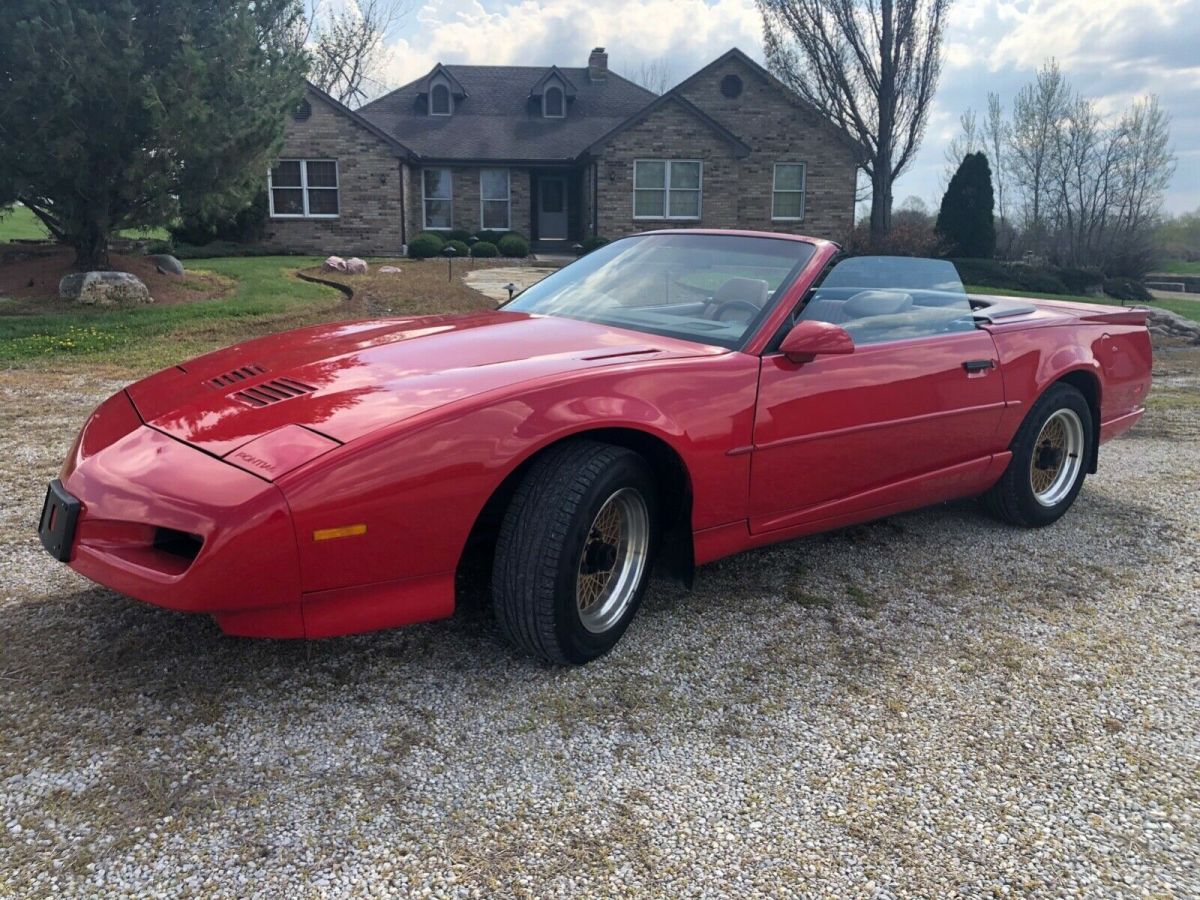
803 191
449 99
507 198
562 93
304 189
424 207
666 190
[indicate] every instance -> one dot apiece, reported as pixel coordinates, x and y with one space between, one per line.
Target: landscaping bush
245 226
1014 276
513 245
485 250
1080 280
492 236
215 249
460 247
458 234
595 242
1127 290
425 245
965 222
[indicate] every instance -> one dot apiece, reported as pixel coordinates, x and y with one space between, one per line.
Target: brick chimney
598 65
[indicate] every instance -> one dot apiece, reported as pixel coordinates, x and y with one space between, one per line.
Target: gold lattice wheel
613 559
1057 457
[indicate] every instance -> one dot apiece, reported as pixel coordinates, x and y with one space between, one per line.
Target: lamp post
578 249
512 289
449 254
471 242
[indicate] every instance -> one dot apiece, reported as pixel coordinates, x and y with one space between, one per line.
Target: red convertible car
678 394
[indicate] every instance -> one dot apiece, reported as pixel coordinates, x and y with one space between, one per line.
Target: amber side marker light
328 534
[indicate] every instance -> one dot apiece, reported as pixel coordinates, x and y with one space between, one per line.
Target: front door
889 422
552 208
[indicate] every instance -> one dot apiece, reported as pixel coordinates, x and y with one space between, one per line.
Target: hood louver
245 373
273 391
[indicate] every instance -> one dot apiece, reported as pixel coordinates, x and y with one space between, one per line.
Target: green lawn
1180 267
267 297
19 223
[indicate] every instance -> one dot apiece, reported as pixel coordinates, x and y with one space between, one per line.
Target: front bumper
163 522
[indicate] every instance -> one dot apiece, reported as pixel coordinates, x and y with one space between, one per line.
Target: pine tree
966 223
110 110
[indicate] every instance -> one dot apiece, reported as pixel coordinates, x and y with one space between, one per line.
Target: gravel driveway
931 705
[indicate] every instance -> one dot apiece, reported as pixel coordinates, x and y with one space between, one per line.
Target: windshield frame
784 293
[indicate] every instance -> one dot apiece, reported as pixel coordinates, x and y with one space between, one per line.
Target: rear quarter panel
1117 356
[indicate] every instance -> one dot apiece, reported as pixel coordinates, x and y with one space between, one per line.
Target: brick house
559 154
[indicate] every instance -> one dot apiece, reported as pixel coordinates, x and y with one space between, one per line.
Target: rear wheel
574 552
1047 469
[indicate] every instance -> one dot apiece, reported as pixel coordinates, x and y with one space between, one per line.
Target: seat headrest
753 289
877 303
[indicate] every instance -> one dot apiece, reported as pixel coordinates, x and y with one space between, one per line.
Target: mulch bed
420 288
32 273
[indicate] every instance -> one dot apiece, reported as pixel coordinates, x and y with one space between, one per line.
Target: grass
268 297
20 224
1189 309
1180 267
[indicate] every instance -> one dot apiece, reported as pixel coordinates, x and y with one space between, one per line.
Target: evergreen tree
966 223
110 110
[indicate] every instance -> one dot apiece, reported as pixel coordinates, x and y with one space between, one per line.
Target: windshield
710 288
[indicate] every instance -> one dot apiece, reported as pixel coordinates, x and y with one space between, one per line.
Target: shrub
485 250
907 237
490 236
1127 289
215 249
425 245
513 245
242 227
965 222
460 247
457 234
993 273
1080 280
595 242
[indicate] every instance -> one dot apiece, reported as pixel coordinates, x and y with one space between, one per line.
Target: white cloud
689 32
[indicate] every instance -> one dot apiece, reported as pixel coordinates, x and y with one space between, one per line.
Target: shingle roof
498 120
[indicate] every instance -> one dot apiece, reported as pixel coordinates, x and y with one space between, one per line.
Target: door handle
979 365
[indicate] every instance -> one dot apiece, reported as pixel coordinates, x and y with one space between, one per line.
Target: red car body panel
325 481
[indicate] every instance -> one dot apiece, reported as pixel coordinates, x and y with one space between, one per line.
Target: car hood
348 379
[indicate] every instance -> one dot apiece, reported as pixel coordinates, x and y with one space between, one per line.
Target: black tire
1012 499
542 541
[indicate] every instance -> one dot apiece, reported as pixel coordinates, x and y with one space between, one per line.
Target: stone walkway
491 282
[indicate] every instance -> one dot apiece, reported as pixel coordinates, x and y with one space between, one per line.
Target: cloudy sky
1112 50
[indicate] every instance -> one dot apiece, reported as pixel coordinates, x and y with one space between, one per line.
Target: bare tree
657 75
1038 112
969 139
347 46
995 143
871 67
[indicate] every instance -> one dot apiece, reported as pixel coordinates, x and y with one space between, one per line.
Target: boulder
356 266
166 264
334 264
104 289
1165 323
389 270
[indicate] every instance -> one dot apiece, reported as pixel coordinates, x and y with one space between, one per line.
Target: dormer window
553 103
439 100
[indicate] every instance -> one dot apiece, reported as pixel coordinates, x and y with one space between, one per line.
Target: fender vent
233 377
272 391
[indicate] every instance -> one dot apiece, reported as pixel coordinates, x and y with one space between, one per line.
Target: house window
495 199
439 100
787 192
303 189
436 187
666 189
552 103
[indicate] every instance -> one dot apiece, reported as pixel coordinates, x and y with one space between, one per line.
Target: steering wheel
718 314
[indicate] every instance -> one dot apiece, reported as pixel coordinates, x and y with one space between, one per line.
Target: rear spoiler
993 309
1132 315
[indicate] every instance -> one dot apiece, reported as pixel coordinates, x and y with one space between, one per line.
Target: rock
166 264
1166 323
334 264
356 266
104 288
390 270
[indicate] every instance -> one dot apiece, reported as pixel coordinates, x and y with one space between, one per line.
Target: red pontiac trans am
688 394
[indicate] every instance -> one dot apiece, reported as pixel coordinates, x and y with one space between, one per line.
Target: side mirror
809 339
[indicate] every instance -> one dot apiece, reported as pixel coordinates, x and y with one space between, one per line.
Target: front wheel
575 550
1049 461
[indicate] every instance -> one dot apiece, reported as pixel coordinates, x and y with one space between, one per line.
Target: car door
908 418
